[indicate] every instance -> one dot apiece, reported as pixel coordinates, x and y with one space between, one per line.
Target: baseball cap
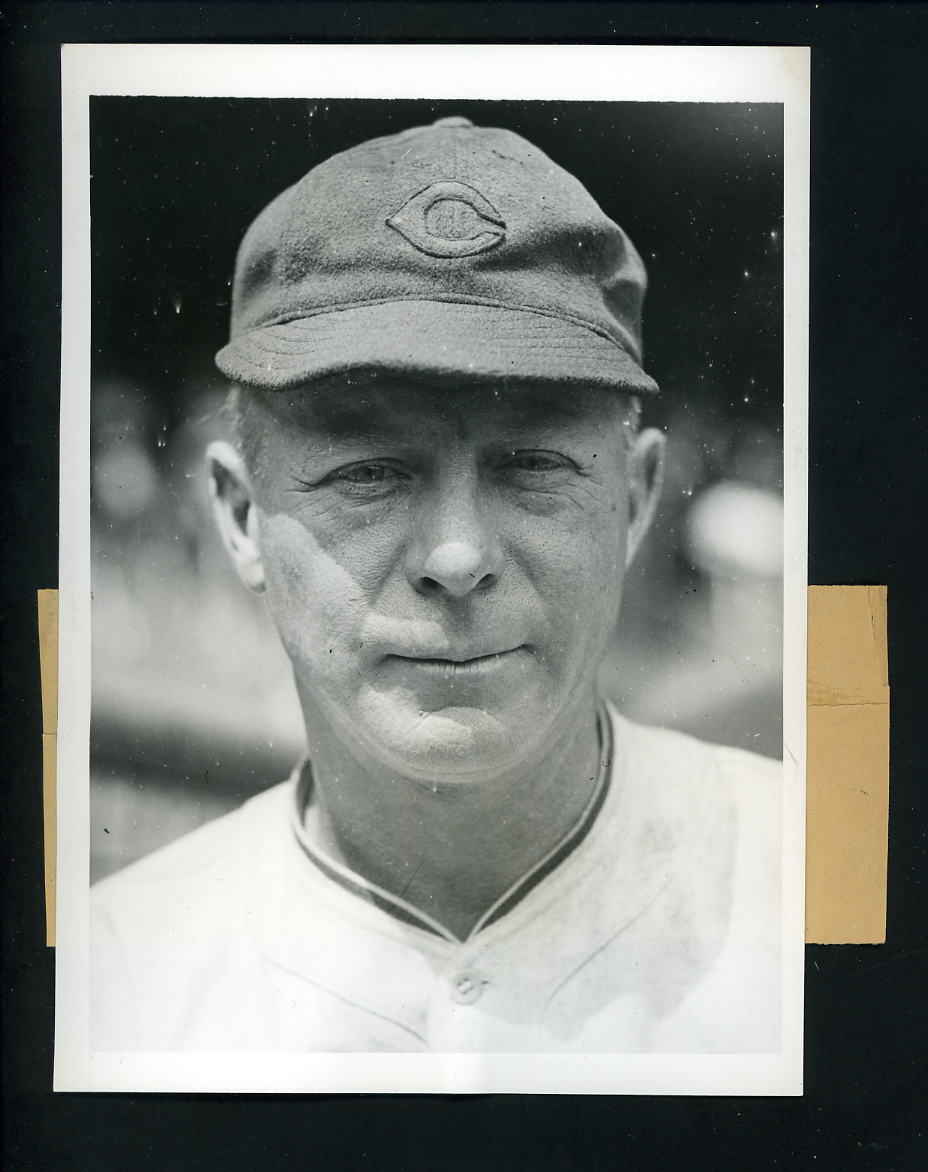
445 250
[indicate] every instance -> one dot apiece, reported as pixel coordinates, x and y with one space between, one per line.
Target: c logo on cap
449 219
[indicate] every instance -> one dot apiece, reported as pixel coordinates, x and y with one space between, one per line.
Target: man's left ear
645 477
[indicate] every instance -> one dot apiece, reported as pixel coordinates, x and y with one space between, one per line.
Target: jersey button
467 987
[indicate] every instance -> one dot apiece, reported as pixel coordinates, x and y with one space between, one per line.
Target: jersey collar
401 909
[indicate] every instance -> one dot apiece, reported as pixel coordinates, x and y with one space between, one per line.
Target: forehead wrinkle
322 421
546 416
382 410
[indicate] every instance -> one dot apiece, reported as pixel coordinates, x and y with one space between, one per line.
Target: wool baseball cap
447 250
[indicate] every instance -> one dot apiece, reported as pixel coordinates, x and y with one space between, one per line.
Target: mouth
459 666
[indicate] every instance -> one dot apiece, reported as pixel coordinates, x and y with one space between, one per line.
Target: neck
449 849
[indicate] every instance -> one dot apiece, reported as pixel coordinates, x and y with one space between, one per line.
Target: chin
456 744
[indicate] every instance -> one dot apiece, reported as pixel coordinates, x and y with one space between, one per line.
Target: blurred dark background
193 708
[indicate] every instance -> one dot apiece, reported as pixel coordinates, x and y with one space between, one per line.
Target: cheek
317 602
577 560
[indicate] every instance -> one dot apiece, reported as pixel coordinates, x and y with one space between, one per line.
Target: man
439 481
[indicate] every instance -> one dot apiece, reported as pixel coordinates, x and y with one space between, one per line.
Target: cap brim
438 338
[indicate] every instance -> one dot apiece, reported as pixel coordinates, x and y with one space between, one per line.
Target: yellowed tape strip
48 658
847 797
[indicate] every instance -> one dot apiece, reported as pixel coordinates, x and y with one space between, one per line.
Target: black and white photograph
433 569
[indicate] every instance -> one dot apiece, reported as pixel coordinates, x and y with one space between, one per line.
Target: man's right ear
236 512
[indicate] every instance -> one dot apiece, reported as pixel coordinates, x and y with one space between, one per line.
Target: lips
461 658
460 671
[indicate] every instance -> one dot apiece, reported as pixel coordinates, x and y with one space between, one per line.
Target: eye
537 461
364 474
368 478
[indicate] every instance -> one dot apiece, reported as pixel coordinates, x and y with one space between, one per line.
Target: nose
455 567
457 550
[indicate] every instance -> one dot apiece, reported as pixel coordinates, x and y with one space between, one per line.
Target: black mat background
866 1102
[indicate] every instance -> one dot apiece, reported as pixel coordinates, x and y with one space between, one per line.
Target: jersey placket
473 999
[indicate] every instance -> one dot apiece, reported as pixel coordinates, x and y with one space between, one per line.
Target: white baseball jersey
655 926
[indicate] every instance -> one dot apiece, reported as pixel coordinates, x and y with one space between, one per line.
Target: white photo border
549 72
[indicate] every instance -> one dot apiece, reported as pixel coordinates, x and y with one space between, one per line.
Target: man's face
444 566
